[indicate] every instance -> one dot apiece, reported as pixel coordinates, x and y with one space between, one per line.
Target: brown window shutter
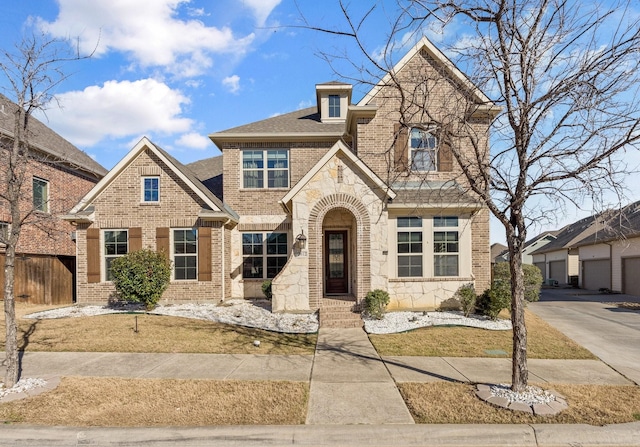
445 158
204 254
162 241
93 255
401 148
135 239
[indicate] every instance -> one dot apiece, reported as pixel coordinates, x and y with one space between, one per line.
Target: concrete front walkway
350 383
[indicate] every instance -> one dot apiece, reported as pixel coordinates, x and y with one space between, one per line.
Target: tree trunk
519 369
11 340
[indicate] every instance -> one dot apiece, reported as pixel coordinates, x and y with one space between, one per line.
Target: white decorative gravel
531 396
21 386
241 312
394 322
256 313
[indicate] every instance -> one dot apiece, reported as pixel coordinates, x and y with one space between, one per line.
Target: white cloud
232 83
148 31
117 110
194 140
261 9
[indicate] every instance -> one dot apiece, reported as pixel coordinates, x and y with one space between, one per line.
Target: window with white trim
275 170
151 189
423 149
40 195
334 106
446 246
185 254
116 244
264 254
409 246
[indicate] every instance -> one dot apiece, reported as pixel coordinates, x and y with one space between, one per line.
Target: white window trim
173 254
265 169
432 132
428 253
48 191
103 252
142 179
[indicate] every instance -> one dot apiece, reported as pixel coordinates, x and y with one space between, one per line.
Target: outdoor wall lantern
301 240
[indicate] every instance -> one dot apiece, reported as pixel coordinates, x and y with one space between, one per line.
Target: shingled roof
48 142
301 123
209 172
619 224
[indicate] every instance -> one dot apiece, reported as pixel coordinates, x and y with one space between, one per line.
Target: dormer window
334 106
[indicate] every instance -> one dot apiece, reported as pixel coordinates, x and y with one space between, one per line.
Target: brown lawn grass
544 342
456 403
156 333
154 402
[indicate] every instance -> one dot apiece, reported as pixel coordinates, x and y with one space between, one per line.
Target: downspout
224 260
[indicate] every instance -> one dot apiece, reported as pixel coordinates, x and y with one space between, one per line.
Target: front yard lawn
544 342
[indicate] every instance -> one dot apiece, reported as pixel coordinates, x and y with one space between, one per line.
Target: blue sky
178 70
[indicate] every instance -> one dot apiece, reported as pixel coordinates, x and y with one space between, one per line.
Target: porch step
340 313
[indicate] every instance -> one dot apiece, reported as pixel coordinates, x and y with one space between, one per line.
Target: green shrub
141 276
266 289
532 279
493 300
376 303
466 295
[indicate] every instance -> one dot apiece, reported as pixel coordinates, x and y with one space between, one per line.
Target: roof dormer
334 98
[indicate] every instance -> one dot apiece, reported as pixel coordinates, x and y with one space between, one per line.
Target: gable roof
209 172
569 235
618 225
339 147
301 124
426 45
48 142
217 209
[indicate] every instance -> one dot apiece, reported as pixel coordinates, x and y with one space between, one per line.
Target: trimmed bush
532 279
493 300
376 303
466 295
266 289
141 276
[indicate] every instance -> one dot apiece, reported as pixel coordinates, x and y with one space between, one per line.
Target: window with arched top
423 149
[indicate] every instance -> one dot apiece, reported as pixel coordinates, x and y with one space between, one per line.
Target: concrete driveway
610 332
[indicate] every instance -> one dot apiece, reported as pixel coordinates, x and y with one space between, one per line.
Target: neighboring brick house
57 175
330 201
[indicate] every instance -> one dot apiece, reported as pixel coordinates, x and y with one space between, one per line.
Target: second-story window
272 165
150 189
40 195
334 106
423 146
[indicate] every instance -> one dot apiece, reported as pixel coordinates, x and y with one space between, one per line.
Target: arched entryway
339 249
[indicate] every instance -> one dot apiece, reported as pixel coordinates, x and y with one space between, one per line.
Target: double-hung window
446 246
4 231
150 189
409 247
40 195
116 244
423 147
264 254
275 170
334 106
185 254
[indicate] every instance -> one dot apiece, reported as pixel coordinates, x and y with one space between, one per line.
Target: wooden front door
335 262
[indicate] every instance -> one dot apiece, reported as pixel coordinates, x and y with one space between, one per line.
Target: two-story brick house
330 201
57 175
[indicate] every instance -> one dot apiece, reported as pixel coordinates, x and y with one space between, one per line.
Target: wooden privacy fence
42 279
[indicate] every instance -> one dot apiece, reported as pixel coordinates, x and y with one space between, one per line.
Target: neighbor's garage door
631 275
541 265
558 271
596 274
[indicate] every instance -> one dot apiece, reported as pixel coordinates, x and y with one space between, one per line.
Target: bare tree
566 75
31 71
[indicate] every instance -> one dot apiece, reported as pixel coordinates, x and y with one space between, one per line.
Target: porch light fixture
301 240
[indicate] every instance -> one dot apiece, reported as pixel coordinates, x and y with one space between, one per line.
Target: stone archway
362 252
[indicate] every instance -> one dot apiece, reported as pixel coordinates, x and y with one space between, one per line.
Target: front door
335 262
